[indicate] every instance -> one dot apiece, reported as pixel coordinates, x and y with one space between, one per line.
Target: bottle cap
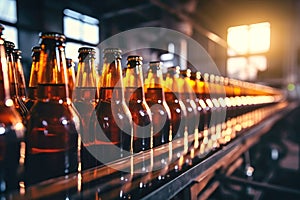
9 46
186 72
112 50
174 70
17 53
115 51
53 35
36 50
155 65
134 58
84 51
206 77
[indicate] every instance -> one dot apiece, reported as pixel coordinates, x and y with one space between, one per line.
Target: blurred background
250 40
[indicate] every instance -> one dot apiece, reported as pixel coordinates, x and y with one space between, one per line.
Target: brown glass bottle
53 123
11 130
173 99
12 73
216 110
85 102
188 96
32 89
178 114
140 111
71 76
207 105
155 98
17 53
113 131
198 88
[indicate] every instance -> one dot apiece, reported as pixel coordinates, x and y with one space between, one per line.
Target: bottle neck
133 77
154 86
154 79
52 73
4 79
111 74
173 84
134 86
86 75
34 73
12 74
111 87
20 79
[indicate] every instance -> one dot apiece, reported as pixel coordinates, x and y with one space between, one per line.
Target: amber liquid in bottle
177 114
113 125
161 116
53 123
142 128
11 129
52 143
113 117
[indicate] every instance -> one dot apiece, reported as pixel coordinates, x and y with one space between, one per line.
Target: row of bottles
78 121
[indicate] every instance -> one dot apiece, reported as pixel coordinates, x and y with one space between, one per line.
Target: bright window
247 47
81 27
8 10
10 33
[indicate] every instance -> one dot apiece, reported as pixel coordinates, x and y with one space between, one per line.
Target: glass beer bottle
11 130
198 88
206 103
161 118
188 96
155 98
113 129
140 111
53 124
178 112
32 89
85 102
20 75
14 92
